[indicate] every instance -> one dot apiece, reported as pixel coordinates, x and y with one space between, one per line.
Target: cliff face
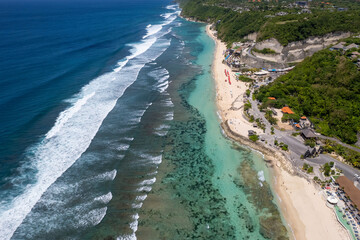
297 51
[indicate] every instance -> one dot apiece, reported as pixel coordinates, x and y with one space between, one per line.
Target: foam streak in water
74 130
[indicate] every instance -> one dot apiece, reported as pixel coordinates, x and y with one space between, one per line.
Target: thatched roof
350 189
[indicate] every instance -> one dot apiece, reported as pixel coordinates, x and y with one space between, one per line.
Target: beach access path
301 204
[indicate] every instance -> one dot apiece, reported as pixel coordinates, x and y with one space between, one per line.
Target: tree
254 138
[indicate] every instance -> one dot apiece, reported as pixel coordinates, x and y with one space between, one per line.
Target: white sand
227 95
303 208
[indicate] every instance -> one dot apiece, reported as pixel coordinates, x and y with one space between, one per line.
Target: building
271 98
287 110
305 122
301 3
350 190
353 45
251 133
308 134
305 11
339 46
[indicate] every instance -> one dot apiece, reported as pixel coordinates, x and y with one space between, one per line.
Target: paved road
341 143
297 147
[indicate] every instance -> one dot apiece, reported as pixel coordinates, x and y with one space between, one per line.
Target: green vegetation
260 124
248 92
326 169
308 168
234 25
282 145
326 89
245 79
310 142
247 106
272 130
300 27
294 134
286 117
270 118
350 156
254 138
264 51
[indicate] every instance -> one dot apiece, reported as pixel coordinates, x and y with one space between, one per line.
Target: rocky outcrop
297 51
257 62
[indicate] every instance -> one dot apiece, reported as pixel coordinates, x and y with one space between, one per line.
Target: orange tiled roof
297 125
271 98
303 117
287 110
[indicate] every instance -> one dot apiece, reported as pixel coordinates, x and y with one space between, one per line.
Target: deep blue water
75 81
49 51
94 96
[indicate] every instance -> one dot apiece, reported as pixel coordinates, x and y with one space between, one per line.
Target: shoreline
303 209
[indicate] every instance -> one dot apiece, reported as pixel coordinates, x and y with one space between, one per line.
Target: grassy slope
326 88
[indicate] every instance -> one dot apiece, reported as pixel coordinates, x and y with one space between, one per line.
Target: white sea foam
261 176
106 176
104 198
153 29
172 7
162 130
169 116
67 114
141 198
152 173
162 76
136 205
148 181
134 227
168 103
123 147
127 237
129 139
147 158
136 50
144 189
93 217
74 130
167 15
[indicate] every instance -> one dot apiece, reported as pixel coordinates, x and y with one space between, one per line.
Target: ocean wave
161 75
74 130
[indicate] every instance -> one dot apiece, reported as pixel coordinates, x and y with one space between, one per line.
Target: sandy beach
302 206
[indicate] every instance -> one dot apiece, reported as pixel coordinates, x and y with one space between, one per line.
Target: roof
271 98
287 110
349 189
308 133
297 125
353 45
332 200
303 117
338 46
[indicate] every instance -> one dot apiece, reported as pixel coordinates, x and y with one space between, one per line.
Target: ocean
108 129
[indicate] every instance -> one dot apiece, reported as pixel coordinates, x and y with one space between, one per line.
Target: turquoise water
208 187
225 158
344 222
111 132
